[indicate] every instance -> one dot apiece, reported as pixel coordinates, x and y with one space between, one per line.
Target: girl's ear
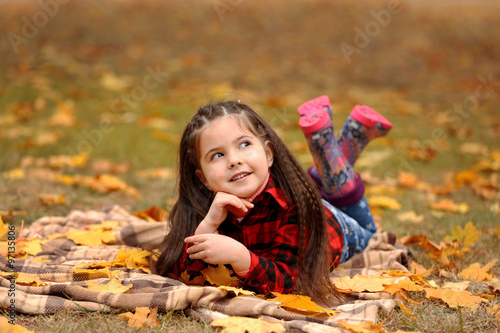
201 177
268 148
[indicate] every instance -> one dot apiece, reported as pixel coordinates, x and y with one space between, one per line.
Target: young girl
245 201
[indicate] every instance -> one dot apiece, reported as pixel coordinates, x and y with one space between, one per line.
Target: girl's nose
235 160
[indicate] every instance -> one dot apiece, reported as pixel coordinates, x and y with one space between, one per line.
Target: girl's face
232 159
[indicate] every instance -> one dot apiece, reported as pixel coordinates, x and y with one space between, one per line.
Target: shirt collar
275 192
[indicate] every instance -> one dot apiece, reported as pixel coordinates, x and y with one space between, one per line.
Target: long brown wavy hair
193 202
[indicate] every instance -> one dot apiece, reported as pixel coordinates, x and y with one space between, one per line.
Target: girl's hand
219 249
223 202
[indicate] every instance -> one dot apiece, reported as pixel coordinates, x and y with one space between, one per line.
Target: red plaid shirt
270 231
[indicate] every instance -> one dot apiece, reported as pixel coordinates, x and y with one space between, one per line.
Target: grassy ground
416 64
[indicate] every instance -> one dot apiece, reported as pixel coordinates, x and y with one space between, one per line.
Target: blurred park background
95 95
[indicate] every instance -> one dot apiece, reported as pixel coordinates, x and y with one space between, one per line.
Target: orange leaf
142 318
403 285
477 273
455 298
450 207
152 214
237 291
9 326
197 280
419 269
363 327
300 302
360 283
382 201
243 324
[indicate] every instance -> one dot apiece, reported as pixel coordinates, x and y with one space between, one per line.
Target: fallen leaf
52 199
384 202
456 286
112 286
220 276
91 238
406 285
142 318
450 207
303 303
152 214
410 216
189 280
14 174
408 180
64 115
31 247
3 228
477 273
455 298
360 283
7 327
495 288
25 279
133 259
363 327
236 324
237 291
466 236
417 269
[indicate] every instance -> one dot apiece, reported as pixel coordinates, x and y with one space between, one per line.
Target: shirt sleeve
274 268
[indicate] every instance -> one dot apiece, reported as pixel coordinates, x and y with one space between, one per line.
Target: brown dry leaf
450 207
360 283
112 286
236 324
104 272
48 199
477 273
64 115
220 276
455 298
466 236
7 327
302 303
382 201
152 214
142 318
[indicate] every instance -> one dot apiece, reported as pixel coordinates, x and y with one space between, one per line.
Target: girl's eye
216 155
244 144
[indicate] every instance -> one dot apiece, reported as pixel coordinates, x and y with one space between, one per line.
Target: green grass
425 61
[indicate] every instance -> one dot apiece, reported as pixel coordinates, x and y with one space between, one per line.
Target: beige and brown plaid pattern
66 289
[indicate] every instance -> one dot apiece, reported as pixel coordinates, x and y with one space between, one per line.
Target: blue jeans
356 222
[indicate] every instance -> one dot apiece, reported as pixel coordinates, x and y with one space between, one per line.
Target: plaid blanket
65 287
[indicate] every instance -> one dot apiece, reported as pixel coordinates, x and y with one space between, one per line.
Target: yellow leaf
7 327
410 216
450 207
152 214
419 269
300 302
456 286
360 283
477 273
25 279
3 228
405 285
244 324
64 115
363 327
112 286
142 318
14 174
32 247
382 201
237 291
220 276
91 238
455 298
133 259
466 236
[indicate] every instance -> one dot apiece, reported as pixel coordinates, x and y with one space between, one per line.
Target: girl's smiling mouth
240 176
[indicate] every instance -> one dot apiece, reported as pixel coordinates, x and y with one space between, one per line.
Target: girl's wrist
242 260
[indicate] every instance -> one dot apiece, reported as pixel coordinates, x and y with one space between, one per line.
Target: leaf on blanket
303 303
112 286
32 247
364 327
251 325
220 276
187 279
142 318
152 214
91 238
360 283
94 264
7 327
89 274
455 298
477 273
466 236
133 259
237 291
25 279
